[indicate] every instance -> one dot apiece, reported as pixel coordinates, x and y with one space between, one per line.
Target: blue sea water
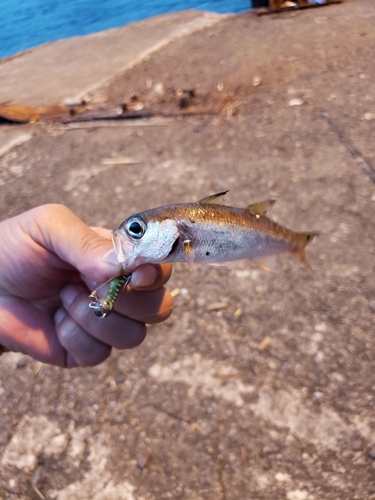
29 23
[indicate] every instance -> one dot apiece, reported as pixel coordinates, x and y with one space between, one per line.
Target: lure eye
136 227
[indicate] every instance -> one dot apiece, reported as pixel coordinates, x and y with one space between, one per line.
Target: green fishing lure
104 307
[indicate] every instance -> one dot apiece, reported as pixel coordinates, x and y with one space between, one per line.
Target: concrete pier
261 385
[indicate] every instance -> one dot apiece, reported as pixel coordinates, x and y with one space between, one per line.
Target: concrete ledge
73 67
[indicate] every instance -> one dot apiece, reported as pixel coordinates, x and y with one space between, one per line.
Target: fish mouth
117 245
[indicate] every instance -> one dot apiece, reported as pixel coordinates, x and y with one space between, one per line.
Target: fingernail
143 276
69 293
111 258
59 315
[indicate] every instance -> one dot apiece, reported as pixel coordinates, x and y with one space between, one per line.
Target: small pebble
73 101
257 81
371 454
194 427
138 106
238 313
159 88
295 102
175 292
216 306
21 363
265 344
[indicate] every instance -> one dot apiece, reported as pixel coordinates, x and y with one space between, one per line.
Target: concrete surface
202 410
70 68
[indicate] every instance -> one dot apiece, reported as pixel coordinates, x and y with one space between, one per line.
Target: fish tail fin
303 240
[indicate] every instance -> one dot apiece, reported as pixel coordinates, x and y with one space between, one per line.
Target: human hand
48 259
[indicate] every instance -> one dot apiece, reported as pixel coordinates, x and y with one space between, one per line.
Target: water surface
29 23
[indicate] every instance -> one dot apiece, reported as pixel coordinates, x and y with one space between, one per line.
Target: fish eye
136 227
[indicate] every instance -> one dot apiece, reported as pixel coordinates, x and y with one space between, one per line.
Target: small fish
205 232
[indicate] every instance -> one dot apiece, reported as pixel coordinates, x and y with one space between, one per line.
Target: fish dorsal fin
261 207
213 199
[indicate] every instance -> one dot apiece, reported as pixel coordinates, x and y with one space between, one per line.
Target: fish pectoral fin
261 207
268 263
189 253
213 199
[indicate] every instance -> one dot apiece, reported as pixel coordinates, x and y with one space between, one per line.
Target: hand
48 259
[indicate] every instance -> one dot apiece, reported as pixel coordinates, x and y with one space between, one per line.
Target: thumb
60 231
